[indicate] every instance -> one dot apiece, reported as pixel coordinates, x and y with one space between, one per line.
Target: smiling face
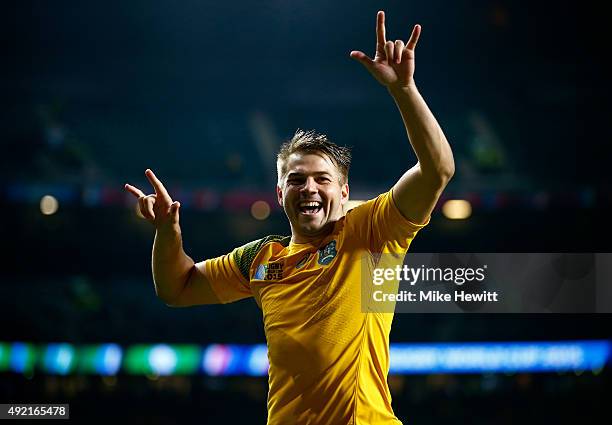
312 193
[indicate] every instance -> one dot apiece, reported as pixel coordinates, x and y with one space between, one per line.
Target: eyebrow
316 173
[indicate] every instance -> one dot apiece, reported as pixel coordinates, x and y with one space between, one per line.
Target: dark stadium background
203 93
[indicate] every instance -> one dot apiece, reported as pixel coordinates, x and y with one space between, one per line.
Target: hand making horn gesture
393 64
158 208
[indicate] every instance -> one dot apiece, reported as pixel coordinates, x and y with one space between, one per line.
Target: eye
324 179
295 181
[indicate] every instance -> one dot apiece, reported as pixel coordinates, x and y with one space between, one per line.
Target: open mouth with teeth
310 208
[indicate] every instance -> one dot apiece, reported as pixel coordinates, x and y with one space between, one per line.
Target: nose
310 186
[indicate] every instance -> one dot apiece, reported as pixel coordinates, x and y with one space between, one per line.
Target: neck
301 238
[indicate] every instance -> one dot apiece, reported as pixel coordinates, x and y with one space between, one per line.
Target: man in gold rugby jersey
329 356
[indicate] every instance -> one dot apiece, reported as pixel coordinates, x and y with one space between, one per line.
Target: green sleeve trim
244 256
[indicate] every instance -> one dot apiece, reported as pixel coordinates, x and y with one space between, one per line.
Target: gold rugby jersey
329 359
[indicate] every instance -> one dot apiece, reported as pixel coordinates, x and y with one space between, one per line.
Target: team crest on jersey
273 271
302 262
327 253
260 272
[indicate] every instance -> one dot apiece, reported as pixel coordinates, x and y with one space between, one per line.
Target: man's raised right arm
179 281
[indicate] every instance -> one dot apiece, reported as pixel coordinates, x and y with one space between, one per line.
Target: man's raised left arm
418 190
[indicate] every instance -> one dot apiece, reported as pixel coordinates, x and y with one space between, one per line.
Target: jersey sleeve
229 274
381 225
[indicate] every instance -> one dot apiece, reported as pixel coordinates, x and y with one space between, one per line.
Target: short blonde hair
312 142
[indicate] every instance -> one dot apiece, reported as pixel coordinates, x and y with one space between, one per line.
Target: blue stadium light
499 357
163 359
234 359
257 360
22 357
58 358
101 359
108 359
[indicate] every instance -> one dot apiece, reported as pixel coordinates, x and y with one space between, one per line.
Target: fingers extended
414 37
134 190
160 190
380 29
364 59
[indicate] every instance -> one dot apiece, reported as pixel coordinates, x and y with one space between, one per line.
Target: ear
279 195
345 194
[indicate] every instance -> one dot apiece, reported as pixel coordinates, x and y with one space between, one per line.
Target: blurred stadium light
211 198
457 209
252 360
